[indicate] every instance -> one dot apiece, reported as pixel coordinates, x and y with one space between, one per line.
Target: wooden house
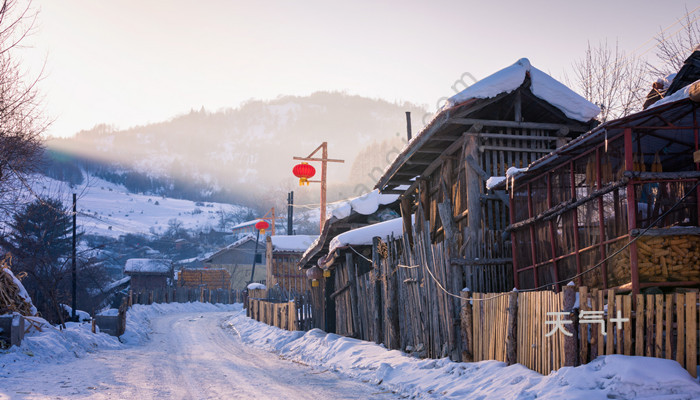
282 255
207 278
615 208
508 119
237 259
362 211
149 274
350 262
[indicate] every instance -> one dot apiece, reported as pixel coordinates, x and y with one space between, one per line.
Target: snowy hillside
107 209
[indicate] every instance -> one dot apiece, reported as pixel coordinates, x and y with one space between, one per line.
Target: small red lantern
261 226
304 171
314 273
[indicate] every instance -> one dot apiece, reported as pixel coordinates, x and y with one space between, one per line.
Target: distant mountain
241 154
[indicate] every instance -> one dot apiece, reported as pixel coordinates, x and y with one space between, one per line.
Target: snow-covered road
189 356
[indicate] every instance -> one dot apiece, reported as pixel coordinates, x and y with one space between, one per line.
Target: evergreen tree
40 244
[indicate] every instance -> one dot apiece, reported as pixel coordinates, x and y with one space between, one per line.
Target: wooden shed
149 274
615 208
362 211
208 278
283 252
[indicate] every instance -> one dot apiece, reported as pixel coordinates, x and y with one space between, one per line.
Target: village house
148 273
283 252
237 259
508 119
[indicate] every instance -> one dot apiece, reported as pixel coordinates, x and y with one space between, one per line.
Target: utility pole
324 161
290 213
74 271
255 257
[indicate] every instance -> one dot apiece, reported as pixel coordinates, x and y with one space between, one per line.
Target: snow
514 171
364 235
22 291
494 181
197 350
680 94
542 85
366 204
240 241
292 243
256 286
613 376
83 316
115 284
110 210
147 265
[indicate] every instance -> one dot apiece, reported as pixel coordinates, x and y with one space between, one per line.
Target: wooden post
570 342
324 161
631 210
466 323
350 264
377 292
473 199
511 336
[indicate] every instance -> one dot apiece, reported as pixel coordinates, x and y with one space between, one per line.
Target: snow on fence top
542 85
295 243
147 266
363 236
256 286
366 204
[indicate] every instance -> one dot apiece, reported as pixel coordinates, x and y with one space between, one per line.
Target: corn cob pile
669 258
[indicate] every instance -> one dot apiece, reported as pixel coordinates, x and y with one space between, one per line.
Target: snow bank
615 376
364 235
77 340
542 85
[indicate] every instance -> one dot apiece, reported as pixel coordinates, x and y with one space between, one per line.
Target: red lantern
304 171
314 273
261 226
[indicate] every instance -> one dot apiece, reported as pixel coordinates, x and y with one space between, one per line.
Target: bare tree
21 119
675 44
608 78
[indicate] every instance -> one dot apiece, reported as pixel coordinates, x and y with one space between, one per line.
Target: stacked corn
669 258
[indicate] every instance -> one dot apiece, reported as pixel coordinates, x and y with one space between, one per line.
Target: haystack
13 296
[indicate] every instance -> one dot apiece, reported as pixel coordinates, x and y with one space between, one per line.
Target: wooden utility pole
324 161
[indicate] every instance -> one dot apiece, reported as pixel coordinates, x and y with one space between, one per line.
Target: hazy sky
131 62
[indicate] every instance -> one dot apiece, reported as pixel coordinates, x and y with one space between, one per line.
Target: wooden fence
514 327
185 295
281 308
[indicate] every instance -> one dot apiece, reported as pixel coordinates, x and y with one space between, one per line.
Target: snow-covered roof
363 236
681 94
295 243
116 284
542 85
244 239
147 265
246 224
366 204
